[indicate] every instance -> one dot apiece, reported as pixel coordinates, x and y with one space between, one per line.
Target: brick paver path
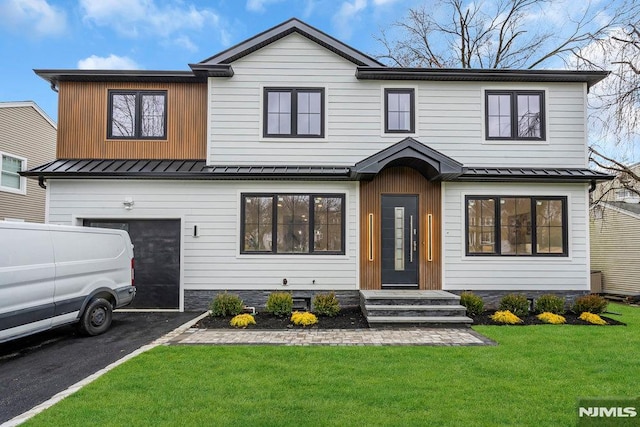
335 337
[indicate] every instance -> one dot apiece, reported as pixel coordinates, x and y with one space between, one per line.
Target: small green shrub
242 320
505 317
303 318
516 304
549 304
326 304
280 303
552 318
473 303
226 305
591 304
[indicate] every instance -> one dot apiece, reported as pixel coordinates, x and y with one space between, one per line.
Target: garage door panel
157 254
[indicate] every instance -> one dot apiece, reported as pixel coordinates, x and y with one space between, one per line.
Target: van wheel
96 318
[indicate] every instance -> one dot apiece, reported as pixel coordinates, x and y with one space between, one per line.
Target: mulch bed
352 318
572 319
348 318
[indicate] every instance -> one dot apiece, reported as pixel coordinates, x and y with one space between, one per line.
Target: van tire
96 318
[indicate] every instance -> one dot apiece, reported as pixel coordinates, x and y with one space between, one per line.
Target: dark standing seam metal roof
198 170
502 174
180 169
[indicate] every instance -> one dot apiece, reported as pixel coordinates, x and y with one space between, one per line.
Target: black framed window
294 112
301 224
515 115
399 111
516 226
137 115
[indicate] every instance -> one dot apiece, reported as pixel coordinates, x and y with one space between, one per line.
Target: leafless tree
497 33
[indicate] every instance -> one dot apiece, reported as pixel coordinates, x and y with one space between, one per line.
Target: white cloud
260 5
145 18
33 17
383 2
348 12
111 62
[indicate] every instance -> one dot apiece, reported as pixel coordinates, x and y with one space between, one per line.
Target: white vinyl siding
212 260
450 115
615 239
463 272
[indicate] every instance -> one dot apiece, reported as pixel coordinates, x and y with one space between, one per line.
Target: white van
51 275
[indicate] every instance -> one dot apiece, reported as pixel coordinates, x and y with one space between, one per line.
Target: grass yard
533 377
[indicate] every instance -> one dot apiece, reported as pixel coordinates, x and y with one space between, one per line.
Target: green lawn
533 377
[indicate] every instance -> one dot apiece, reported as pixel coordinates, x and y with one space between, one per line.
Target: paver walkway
334 337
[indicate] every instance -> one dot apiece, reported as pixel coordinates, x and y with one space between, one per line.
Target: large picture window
515 115
293 223
294 112
10 179
137 115
516 226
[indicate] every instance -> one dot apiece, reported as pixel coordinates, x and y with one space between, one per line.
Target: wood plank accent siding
400 180
82 127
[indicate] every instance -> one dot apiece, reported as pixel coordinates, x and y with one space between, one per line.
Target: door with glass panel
400 241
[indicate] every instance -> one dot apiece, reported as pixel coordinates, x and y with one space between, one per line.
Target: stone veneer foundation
200 300
492 298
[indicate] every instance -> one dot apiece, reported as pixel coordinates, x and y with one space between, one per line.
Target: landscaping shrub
226 305
242 320
505 317
516 304
552 318
549 304
303 318
326 304
592 318
591 304
473 303
280 303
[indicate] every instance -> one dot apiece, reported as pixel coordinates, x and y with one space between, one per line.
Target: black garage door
156 248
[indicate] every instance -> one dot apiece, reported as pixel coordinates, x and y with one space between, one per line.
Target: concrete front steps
403 308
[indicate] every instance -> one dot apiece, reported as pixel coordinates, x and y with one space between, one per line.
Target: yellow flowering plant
592 318
554 319
505 316
303 318
242 320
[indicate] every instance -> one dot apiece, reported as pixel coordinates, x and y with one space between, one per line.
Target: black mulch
348 318
572 319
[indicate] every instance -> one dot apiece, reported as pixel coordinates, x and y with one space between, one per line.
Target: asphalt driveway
34 369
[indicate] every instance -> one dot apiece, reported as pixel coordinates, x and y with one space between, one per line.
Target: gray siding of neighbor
25 132
615 240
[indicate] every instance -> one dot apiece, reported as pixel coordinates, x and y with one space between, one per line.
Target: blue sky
157 34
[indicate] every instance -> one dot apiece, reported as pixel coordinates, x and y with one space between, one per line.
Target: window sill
301 257
21 192
135 140
515 141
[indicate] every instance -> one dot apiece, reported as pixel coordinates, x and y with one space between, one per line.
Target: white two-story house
292 161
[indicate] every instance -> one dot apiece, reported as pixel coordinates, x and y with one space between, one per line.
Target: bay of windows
293 223
516 226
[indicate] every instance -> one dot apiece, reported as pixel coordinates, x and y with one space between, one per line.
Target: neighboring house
292 161
615 234
27 139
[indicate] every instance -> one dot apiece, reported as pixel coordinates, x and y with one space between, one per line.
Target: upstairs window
294 112
515 115
137 115
10 179
399 107
517 226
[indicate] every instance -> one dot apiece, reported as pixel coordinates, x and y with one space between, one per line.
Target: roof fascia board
279 31
23 104
54 76
617 209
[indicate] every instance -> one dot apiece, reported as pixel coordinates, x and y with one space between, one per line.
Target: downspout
593 186
53 87
41 182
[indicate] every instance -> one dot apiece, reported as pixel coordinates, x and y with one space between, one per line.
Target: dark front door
399 241
156 250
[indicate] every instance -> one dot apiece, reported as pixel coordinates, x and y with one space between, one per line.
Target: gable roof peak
292 25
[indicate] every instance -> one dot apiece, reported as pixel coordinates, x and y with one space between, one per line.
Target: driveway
34 369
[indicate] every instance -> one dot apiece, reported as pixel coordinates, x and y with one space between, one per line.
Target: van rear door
27 275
